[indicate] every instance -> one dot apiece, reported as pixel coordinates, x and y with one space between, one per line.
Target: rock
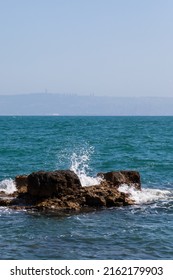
5 202
61 191
21 182
53 184
117 178
105 195
93 200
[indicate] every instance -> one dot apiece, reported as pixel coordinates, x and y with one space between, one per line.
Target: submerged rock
61 190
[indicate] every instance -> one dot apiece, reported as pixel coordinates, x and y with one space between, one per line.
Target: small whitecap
146 195
8 186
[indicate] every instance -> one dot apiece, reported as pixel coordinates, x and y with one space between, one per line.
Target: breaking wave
80 165
146 195
7 186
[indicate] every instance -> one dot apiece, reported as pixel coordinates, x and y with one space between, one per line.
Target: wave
80 166
146 195
8 186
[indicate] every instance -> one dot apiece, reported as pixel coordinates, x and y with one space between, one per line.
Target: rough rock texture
62 191
52 184
117 178
105 195
21 182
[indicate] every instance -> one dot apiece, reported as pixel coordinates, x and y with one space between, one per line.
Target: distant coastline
44 104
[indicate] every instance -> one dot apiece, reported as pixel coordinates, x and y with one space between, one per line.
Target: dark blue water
89 145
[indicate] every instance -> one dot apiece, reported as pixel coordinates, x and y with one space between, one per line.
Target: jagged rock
61 190
105 195
52 184
117 178
94 200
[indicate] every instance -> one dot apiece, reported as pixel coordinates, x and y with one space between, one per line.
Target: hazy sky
101 47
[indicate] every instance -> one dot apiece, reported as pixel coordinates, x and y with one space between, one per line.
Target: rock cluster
61 190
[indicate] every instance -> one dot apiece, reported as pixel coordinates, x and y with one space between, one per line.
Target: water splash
8 186
80 165
146 195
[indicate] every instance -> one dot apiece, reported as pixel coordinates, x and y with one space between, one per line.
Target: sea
89 145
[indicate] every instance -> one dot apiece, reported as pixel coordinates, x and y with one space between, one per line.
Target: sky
99 47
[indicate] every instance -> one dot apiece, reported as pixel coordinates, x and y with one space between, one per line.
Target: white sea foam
80 165
8 186
147 195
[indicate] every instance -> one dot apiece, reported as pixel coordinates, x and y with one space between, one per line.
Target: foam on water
146 195
80 165
8 186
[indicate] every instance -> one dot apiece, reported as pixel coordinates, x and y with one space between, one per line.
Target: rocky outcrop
61 190
52 184
117 178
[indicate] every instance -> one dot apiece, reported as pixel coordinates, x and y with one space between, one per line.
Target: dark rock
62 191
53 184
21 182
94 200
105 195
5 202
117 178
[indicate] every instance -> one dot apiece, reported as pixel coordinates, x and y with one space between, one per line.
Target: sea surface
88 145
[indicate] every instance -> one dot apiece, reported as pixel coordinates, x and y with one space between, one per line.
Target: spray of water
7 186
80 165
147 195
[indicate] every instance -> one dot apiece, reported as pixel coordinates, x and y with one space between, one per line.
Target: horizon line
80 95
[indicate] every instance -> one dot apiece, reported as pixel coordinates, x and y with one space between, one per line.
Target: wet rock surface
61 190
117 178
53 184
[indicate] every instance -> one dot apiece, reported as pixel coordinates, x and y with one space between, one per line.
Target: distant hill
62 104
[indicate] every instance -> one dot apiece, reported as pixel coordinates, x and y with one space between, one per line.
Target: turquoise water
89 145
